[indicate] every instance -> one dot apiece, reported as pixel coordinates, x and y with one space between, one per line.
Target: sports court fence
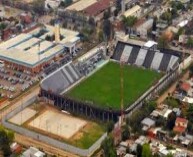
46 139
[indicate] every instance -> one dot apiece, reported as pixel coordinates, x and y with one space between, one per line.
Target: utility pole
122 91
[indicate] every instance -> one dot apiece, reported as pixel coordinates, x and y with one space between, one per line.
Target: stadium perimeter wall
93 112
56 143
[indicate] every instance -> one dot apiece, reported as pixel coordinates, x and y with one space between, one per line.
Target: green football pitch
103 87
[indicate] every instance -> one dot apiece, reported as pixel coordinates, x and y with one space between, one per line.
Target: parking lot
13 82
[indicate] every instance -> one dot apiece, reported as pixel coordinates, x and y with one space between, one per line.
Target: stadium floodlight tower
122 63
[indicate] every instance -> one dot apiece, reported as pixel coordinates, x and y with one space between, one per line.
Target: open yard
103 87
23 116
57 123
73 130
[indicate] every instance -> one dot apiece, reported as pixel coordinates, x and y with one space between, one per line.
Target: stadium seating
165 61
56 83
61 79
133 55
162 60
148 59
119 49
126 53
141 57
156 61
172 62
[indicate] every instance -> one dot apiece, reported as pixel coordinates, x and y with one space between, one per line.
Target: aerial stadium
91 86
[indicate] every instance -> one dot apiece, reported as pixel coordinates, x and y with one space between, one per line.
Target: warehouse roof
132 11
97 7
81 5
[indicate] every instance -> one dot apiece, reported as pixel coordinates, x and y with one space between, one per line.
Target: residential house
33 152
161 111
16 148
180 125
147 123
129 155
152 132
144 28
185 87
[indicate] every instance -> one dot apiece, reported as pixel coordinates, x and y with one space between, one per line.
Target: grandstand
160 60
61 79
87 98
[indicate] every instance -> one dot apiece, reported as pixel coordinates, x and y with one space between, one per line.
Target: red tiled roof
97 7
185 86
182 120
179 129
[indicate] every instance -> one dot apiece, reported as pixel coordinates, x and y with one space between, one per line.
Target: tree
180 32
154 27
110 126
190 42
146 151
108 147
169 155
139 150
6 137
163 40
125 132
171 120
65 3
129 21
107 29
38 6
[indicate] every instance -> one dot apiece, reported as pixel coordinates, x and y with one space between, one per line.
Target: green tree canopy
108 147
146 151
129 21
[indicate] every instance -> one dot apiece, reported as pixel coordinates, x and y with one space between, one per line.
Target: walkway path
171 88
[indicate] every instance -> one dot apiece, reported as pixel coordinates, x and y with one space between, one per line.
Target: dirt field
23 116
57 123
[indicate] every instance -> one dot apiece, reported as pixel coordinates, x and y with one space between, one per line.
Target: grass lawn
88 136
103 87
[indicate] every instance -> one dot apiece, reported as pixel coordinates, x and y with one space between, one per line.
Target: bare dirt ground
23 116
57 123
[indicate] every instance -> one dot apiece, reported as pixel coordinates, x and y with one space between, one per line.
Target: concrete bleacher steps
126 53
165 62
61 79
67 75
73 72
76 70
133 55
172 62
156 61
141 57
148 59
56 83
